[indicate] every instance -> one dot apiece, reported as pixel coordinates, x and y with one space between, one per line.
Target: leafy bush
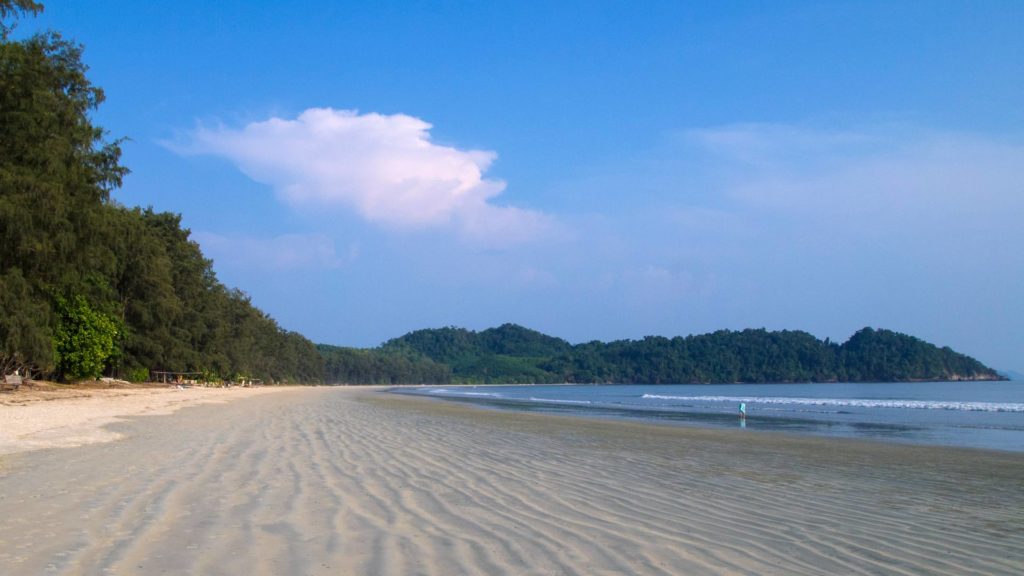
84 339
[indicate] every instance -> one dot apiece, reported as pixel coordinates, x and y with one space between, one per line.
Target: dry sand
344 481
48 416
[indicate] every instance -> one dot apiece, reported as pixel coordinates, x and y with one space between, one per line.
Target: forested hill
89 287
513 354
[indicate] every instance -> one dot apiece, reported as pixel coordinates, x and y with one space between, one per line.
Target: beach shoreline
68 416
349 480
941 414
685 430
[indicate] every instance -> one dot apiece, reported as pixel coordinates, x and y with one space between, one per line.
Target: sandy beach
61 417
353 481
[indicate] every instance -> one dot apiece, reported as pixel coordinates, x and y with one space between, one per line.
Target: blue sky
593 170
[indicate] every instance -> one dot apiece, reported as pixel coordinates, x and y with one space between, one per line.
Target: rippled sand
343 481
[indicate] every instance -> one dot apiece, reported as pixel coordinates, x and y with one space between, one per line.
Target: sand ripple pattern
335 481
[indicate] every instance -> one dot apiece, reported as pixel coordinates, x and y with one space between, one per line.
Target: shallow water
967 414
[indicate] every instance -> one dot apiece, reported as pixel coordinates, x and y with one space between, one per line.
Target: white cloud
385 167
286 253
881 175
759 143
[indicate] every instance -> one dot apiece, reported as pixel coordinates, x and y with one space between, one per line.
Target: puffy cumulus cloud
385 167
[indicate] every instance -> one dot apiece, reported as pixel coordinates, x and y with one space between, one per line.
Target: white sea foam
462 393
853 402
559 401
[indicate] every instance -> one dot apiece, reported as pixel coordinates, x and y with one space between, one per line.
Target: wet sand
349 481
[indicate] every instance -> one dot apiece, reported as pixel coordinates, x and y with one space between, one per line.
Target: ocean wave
853 402
448 392
559 401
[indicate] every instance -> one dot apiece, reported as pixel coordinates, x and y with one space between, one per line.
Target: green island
516 355
89 287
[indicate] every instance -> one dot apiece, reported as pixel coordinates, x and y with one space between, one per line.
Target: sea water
967 414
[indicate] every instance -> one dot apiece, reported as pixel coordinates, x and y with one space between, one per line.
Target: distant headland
511 354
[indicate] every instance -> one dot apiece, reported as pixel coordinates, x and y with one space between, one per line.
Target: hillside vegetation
513 354
89 287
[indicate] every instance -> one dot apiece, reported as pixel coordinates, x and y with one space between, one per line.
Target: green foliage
83 340
506 354
55 169
24 326
61 234
356 366
723 356
512 354
13 9
883 355
181 318
137 375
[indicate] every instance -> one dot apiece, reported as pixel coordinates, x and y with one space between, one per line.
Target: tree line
90 287
343 365
513 354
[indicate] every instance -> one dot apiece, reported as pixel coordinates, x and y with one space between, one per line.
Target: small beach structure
12 381
169 377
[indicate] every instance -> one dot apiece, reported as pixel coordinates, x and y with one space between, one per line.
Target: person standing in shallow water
743 410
